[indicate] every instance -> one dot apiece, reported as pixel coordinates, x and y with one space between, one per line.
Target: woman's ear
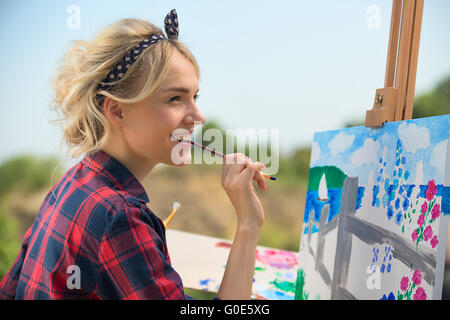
113 110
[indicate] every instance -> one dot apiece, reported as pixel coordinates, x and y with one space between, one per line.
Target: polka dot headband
119 70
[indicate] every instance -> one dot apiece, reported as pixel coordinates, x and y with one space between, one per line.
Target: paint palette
200 261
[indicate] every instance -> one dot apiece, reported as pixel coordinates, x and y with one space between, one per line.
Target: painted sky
296 66
357 150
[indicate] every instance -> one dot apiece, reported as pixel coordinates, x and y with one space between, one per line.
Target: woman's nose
195 116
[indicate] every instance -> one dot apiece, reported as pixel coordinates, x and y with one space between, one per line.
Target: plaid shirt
94 227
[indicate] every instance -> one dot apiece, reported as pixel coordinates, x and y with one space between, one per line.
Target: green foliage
434 103
27 173
9 245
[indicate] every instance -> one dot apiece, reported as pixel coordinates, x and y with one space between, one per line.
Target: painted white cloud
413 137
438 154
315 152
367 153
340 143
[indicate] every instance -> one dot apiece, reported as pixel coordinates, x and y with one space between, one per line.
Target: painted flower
431 190
399 218
420 294
414 235
421 220
428 233
434 242
424 207
436 211
404 283
389 297
405 204
417 277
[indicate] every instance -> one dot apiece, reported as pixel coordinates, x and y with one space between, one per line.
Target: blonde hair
86 63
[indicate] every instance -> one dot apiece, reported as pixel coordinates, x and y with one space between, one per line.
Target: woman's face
148 125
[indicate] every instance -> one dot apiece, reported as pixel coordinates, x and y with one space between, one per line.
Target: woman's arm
237 182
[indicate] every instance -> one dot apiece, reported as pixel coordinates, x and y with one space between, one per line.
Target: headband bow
119 70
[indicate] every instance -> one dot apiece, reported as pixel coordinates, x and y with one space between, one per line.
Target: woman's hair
78 98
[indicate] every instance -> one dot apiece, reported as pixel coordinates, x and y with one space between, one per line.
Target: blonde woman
121 97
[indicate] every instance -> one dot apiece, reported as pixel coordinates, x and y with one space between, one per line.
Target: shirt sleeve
134 260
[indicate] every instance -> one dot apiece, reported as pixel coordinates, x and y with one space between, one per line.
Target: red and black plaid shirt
95 225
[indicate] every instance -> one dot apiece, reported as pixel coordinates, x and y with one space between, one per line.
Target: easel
395 101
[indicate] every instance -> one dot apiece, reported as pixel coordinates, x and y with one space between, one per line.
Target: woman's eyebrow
179 89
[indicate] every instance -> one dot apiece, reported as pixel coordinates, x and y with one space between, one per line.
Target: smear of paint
275 295
277 258
225 245
285 286
259 269
205 282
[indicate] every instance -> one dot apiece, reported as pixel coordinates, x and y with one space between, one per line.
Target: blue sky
296 66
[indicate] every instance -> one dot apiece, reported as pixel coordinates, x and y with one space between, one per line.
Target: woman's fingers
252 171
239 166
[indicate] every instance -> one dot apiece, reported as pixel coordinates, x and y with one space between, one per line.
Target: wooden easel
395 101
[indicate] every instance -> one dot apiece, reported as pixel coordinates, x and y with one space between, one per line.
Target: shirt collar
117 173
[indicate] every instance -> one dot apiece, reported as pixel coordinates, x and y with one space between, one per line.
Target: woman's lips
180 138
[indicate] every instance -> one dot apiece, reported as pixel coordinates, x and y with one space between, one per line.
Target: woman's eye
177 98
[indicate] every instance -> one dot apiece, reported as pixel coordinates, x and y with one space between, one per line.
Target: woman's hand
238 171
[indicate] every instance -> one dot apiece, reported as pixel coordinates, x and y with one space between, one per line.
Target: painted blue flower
403 160
397 204
406 174
398 218
389 297
405 204
390 212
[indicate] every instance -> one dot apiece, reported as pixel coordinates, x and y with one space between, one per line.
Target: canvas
376 214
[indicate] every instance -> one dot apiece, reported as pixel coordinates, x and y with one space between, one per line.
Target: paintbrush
180 139
175 206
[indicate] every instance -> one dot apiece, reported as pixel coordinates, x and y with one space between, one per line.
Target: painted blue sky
296 66
357 151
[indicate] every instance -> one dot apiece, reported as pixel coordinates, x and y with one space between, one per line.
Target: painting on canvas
376 215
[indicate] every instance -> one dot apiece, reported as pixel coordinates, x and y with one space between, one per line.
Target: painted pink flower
424 207
428 233
434 242
417 277
421 220
404 283
414 235
420 294
436 211
431 190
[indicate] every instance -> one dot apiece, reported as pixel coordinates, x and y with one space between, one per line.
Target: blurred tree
27 173
9 244
434 103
